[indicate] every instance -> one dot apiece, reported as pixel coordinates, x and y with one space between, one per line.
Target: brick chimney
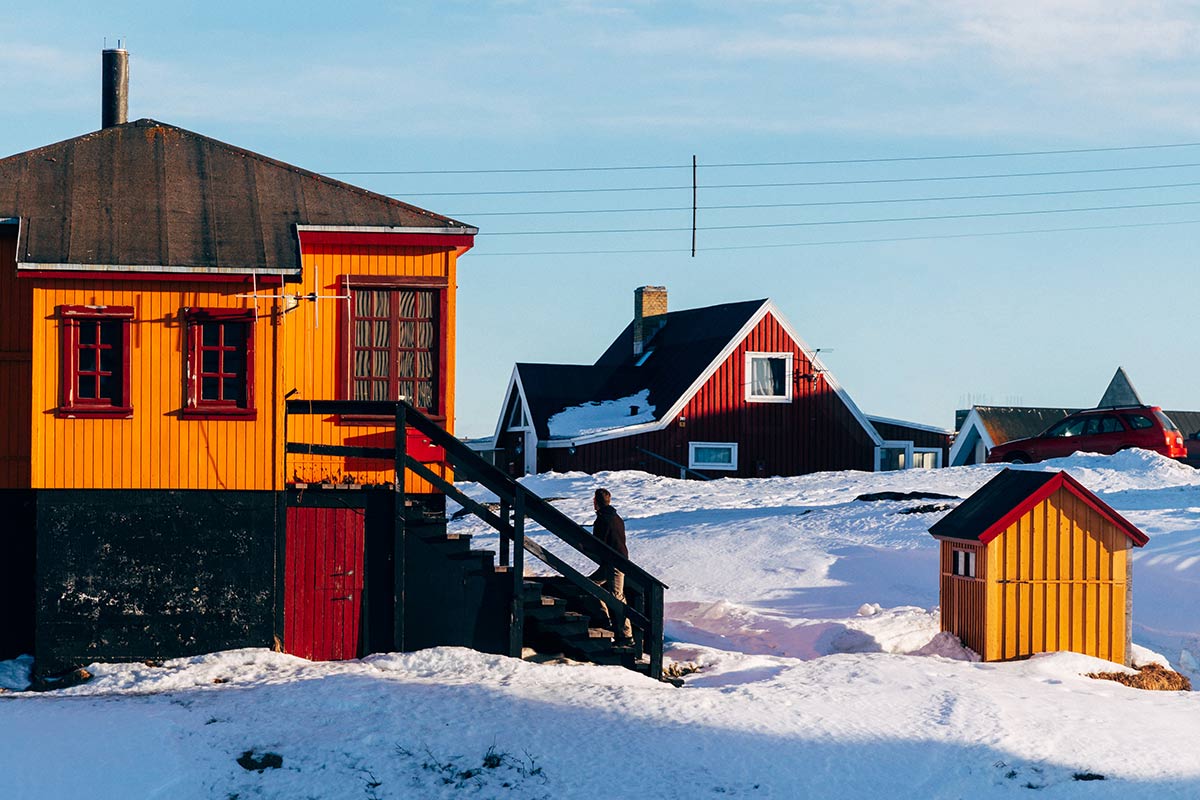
649 309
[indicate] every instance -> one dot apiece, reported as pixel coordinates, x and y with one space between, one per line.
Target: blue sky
925 317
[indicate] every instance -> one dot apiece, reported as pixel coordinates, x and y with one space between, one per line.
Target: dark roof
150 194
686 343
979 512
549 388
986 513
1007 423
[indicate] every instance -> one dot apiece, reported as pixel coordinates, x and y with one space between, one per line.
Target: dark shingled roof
686 343
983 515
979 512
150 194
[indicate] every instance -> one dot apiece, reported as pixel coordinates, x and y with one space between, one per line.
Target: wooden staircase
556 618
444 592
552 626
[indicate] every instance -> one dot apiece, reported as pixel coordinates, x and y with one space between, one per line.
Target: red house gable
726 390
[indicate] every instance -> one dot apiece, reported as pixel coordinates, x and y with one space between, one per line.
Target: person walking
610 529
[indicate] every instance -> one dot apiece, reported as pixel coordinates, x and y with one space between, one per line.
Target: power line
858 182
559 212
887 160
813 223
880 240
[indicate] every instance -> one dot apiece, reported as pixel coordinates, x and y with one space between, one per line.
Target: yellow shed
1033 562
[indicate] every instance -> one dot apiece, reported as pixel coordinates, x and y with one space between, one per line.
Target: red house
726 390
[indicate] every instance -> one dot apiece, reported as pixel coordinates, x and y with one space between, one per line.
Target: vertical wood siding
814 432
1057 581
159 449
156 448
963 598
16 337
313 360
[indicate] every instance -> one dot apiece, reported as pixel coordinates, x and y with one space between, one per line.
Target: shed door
324 583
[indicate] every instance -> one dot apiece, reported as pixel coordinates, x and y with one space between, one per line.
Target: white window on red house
95 363
713 455
395 348
769 377
220 363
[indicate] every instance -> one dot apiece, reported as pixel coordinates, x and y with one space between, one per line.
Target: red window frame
196 406
75 320
438 287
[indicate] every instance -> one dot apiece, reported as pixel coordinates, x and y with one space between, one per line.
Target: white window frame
967 563
789 359
907 447
937 456
693 464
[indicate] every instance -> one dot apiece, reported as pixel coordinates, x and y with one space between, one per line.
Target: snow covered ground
804 608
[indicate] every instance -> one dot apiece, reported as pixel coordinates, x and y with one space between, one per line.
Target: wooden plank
341 450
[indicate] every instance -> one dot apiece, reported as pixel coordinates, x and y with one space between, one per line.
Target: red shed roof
1005 498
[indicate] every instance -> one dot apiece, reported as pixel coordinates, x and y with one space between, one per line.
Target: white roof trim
973 420
916 425
670 414
458 230
514 382
821 370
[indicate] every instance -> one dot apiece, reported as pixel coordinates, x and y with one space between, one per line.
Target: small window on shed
963 563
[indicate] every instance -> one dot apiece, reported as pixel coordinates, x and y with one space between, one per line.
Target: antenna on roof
293 300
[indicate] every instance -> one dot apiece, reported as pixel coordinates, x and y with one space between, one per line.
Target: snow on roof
601 416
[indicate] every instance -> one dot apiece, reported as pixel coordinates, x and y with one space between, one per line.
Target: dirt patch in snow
1149 676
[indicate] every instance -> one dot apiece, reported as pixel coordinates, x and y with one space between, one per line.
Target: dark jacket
610 529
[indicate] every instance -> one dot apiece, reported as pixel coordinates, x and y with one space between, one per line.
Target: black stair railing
643 591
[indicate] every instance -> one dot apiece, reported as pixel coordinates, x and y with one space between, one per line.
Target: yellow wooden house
165 295
1033 562
214 369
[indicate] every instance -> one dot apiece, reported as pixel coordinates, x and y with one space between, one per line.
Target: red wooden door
322 611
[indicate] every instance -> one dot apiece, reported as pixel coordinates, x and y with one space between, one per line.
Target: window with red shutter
394 344
95 361
220 363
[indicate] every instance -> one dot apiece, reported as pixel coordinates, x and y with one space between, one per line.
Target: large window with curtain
395 344
769 377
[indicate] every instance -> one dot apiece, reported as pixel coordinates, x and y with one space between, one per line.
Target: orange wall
156 448
312 366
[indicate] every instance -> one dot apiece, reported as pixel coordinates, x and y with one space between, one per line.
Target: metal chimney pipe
114 103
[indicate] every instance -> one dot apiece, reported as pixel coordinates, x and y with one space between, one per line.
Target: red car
1099 430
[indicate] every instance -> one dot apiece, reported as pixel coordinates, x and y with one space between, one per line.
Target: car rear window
1166 421
1139 421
